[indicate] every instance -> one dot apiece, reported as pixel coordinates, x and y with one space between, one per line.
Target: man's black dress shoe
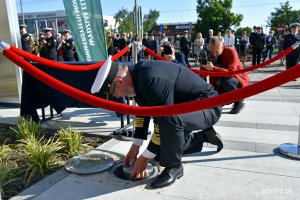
213 138
168 176
237 107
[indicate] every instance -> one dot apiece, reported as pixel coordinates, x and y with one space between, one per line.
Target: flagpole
23 18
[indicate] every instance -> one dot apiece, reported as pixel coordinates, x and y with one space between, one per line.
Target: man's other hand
131 155
139 169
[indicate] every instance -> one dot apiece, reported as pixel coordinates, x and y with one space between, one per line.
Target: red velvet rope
187 107
230 73
63 66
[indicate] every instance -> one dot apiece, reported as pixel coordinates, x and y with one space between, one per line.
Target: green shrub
4 153
27 128
71 140
8 177
40 157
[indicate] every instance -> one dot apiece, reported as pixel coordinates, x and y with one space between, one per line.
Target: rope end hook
3 46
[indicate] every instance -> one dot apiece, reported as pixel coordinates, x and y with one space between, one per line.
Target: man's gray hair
214 41
121 70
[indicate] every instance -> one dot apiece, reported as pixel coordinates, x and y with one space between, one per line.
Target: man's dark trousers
256 55
175 133
226 84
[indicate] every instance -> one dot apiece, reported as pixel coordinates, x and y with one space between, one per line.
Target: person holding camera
226 59
167 51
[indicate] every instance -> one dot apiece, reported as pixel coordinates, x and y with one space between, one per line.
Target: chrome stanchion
291 150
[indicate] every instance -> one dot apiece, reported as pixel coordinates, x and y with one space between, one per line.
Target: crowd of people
256 45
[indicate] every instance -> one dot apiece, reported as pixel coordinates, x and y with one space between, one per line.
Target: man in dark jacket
26 40
160 83
289 40
257 42
270 42
49 45
185 45
68 46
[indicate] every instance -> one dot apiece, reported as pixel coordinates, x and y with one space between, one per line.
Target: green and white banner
86 23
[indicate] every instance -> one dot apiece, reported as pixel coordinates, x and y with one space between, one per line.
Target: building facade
173 30
57 20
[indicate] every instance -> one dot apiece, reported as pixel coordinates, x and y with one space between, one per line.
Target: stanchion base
291 150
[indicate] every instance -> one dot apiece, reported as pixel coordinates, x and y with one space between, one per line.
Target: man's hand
139 169
131 155
209 66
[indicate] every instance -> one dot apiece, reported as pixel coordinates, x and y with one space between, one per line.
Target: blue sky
255 12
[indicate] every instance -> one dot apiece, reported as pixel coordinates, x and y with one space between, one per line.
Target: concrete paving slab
208 183
257 135
273 163
243 116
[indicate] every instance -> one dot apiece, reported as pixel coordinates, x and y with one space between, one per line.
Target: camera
167 50
204 56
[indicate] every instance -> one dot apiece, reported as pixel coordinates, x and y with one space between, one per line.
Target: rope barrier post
43 113
122 121
291 150
51 112
134 52
128 116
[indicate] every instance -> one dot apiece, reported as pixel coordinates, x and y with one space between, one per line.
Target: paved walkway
249 166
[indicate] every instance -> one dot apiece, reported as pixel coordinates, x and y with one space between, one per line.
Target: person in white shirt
164 38
220 36
229 39
198 46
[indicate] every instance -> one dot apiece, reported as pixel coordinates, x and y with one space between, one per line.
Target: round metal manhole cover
122 172
89 163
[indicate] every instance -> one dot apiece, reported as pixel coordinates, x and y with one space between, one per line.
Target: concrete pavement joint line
177 197
255 125
246 171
